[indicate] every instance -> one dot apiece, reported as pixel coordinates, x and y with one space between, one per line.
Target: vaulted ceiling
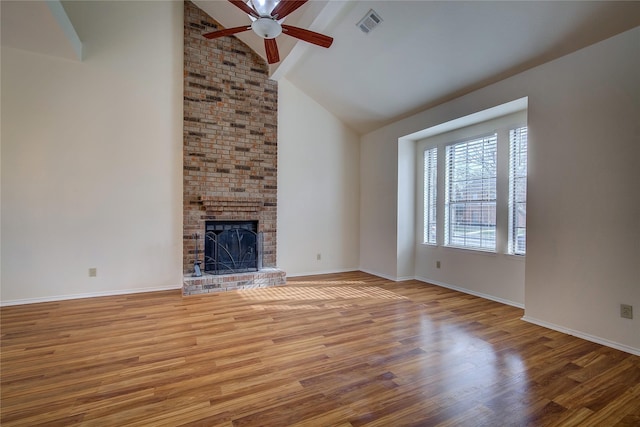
423 53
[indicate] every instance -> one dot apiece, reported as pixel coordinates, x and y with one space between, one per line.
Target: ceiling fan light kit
267 25
266 28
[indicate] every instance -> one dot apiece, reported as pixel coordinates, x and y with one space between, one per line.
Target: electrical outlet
93 272
437 264
318 256
626 311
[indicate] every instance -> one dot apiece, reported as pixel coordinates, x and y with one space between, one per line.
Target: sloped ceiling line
41 27
67 27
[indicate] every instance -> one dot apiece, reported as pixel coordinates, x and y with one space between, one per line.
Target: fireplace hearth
232 260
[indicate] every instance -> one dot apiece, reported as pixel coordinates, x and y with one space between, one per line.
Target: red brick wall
230 135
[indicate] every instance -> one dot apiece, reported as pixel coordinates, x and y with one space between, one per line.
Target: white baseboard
348 270
471 292
568 331
316 273
375 273
588 337
88 295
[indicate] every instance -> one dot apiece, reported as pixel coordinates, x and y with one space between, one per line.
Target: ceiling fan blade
226 32
307 35
285 7
245 8
271 48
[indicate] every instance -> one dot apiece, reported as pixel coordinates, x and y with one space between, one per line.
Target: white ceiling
422 54
426 52
39 26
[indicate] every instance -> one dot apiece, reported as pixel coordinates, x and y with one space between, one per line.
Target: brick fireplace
230 149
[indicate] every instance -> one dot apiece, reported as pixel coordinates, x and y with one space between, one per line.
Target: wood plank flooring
334 350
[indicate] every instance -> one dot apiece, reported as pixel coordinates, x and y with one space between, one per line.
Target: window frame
516 161
430 196
452 135
467 206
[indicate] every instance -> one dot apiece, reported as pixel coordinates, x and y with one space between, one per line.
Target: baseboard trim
584 336
375 273
316 273
88 295
470 292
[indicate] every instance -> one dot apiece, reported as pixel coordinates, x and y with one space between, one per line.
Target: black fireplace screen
231 247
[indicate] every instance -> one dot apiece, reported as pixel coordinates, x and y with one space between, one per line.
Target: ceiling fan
267 17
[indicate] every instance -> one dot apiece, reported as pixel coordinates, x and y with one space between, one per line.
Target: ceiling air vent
369 21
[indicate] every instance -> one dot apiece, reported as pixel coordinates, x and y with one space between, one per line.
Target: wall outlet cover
626 311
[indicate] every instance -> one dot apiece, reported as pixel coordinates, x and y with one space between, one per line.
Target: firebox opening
232 247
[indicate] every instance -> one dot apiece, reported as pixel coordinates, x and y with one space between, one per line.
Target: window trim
430 201
512 203
482 139
501 124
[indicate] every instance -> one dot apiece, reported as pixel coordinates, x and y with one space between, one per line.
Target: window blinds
430 193
470 199
517 191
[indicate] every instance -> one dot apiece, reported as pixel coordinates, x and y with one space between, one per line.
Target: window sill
513 257
485 252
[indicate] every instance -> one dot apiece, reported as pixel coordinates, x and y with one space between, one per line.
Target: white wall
318 187
383 184
583 237
406 212
497 276
584 191
92 158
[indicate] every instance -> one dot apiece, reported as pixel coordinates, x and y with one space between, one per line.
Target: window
430 191
518 191
472 180
470 193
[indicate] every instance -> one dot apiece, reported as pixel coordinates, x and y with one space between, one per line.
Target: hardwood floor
334 350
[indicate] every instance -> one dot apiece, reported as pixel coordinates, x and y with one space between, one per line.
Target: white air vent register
369 21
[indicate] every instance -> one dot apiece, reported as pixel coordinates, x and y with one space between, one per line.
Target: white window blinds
430 193
470 196
518 191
